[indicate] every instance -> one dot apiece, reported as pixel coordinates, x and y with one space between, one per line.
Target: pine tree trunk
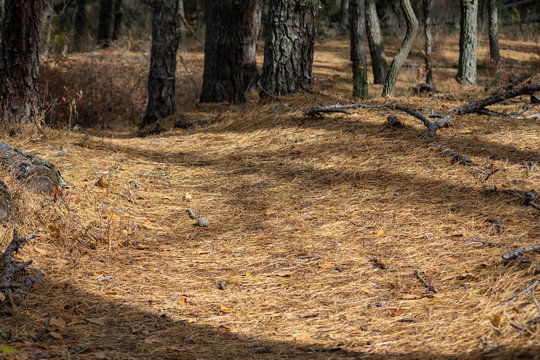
404 50
251 27
117 28
161 78
429 40
46 28
223 52
181 25
105 22
80 25
288 48
495 54
376 49
467 42
345 13
19 61
357 21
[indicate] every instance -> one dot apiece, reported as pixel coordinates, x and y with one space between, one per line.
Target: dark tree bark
288 48
494 37
161 78
117 27
344 9
224 52
252 25
404 50
467 42
19 61
426 7
105 22
80 25
376 49
358 48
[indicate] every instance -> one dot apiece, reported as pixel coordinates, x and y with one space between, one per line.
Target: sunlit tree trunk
288 48
252 25
19 61
404 50
161 78
376 49
358 48
494 37
467 42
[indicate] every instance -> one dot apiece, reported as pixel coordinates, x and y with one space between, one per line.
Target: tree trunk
288 48
467 42
358 48
429 40
19 61
494 37
344 13
105 22
404 50
181 26
46 27
223 52
161 78
117 28
376 49
80 25
251 27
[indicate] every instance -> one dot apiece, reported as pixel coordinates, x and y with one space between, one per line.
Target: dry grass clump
317 229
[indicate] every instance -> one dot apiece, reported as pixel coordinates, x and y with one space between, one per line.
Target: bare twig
429 287
529 288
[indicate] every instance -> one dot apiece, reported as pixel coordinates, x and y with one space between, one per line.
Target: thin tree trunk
494 37
181 26
251 27
19 61
288 48
80 25
404 50
467 42
117 28
105 22
223 52
344 13
429 40
358 48
161 78
46 27
376 49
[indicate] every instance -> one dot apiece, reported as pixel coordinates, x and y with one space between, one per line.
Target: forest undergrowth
329 237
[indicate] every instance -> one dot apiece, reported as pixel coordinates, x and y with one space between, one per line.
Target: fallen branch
429 287
511 255
327 109
529 288
529 198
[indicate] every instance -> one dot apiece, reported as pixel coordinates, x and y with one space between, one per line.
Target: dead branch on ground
429 287
529 288
12 267
511 255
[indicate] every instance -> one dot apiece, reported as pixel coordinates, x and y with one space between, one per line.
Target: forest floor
316 227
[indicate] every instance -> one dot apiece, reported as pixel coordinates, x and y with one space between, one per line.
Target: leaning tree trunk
19 61
223 52
251 26
358 48
376 49
181 26
161 78
117 27
105 22
467 42
403 52
288 48
80 25
494 37
429 40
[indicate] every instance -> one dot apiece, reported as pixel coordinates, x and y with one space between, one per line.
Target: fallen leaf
56 335
303 337
97 321
100 183
248 274
2 296
59 323
55 231
379 232
225 309
225 327
4 349
396 312
496 321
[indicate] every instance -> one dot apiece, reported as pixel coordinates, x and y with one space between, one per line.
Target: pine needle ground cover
328 237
